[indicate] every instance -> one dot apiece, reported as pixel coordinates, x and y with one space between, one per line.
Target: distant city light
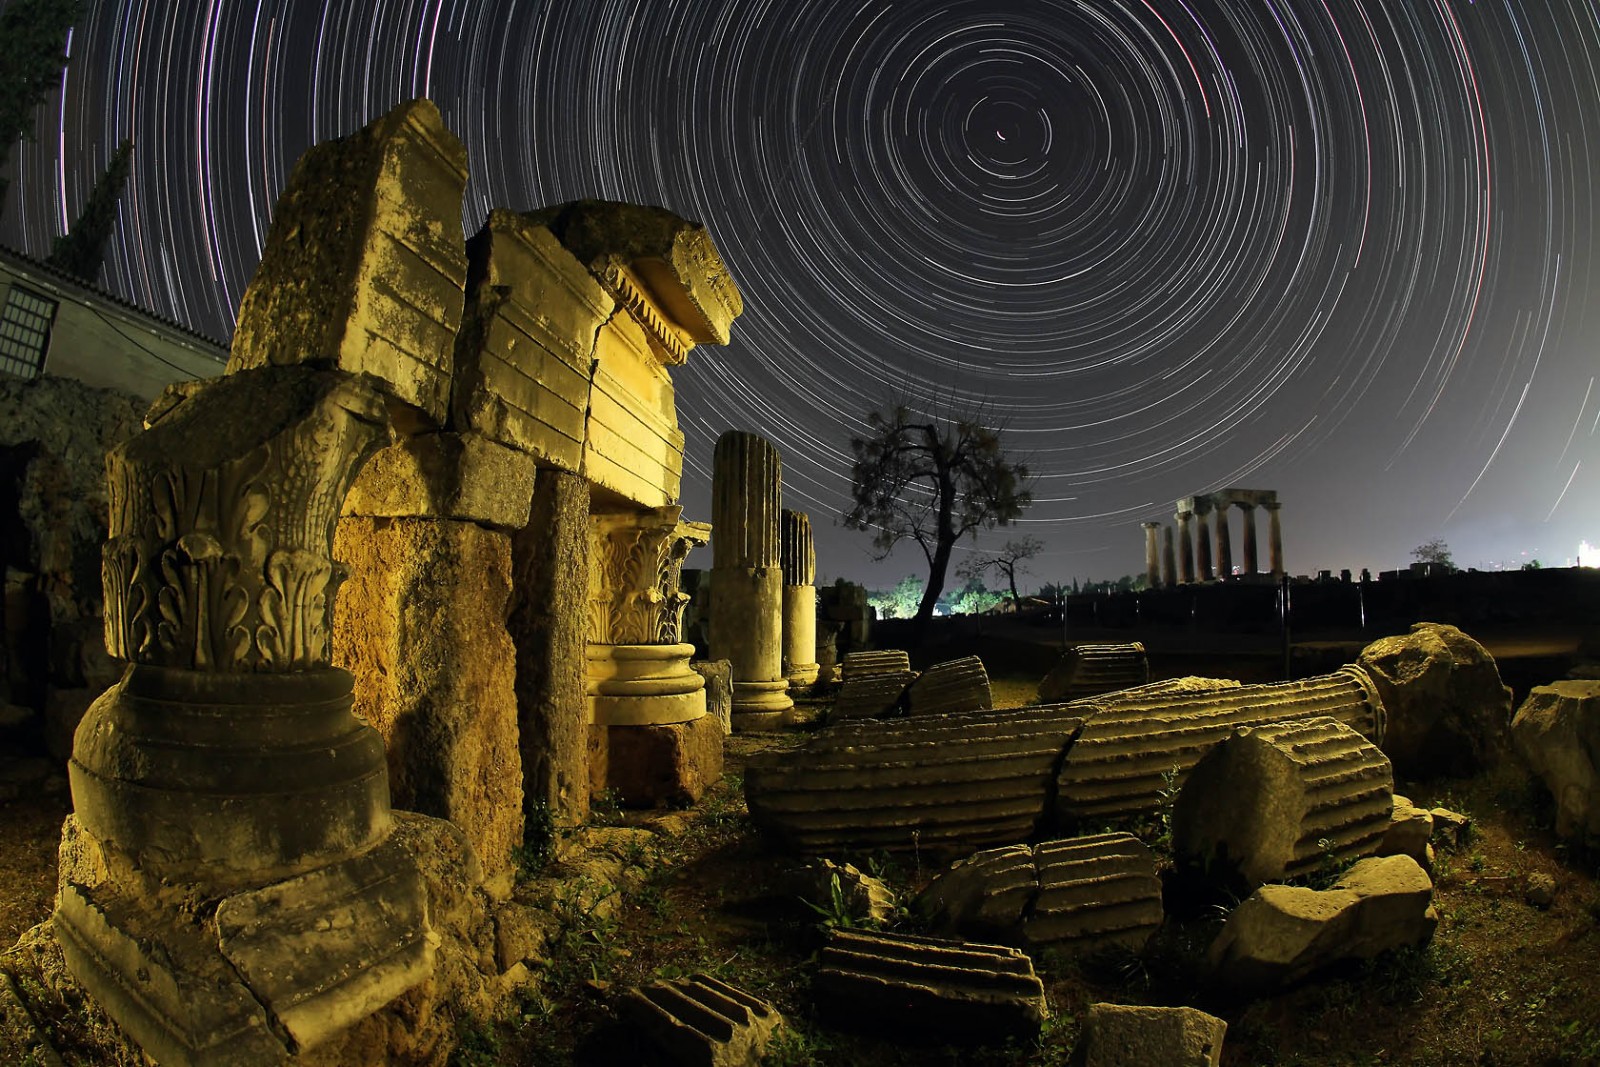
1588 555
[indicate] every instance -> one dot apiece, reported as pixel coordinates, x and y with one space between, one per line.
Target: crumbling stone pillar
1274 539
1251 564
798 557
1224 540
1202 508
1185 546
747 590
1169 577
1152 555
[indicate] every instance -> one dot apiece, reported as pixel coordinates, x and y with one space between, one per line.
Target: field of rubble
639 897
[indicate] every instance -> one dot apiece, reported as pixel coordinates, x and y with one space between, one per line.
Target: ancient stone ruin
1195 539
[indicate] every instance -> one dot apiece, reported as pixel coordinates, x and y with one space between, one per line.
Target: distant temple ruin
1165 567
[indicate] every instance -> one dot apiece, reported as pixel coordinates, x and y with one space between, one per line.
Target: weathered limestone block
1281 800
747 602
1282 934
822 883
887 661
719 689
1089 670
672 764
1080 895
955 685
465 477
364 264
701 1021
1136 1035
1409 833
523 357
866 696
1139 743
798 557
435 671
1557 731
928 989
966 781
1448 710
548 622
845 603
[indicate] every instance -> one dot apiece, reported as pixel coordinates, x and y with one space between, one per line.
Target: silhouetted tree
33 37
81 251
1008 561
1435 552
932 482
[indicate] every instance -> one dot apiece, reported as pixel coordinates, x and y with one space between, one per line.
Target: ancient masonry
1091 669
1140 744
888 661
798 557
1191 519
928 988
1079 895
747 578
868 696
947 784
954 685
703 1020
518 511
1283 800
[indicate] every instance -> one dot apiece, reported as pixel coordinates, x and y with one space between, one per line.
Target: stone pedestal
644 685
747 582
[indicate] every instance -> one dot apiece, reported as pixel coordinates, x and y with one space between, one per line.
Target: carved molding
669 347
635 564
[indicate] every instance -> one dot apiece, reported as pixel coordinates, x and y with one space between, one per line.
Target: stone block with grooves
1135 1035
954 685
365 267
868 696
1089 670
1557 731
958 782
886 661
1140 743
928 989
1079 895
701 1021
1281 800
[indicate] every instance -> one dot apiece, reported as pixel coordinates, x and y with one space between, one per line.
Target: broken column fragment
955 685
887 661
701 1021
798 557
1089 670
964 781
1283 800
868 696
1557 731
1139 743
747 580
929 989
1079 895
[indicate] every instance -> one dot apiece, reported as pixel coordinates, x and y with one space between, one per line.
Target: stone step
703 1020
952 686
885 661
1118 764
1281 800
972 779
928 989
1079 894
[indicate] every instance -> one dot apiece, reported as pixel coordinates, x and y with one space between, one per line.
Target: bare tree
1008 562
932 481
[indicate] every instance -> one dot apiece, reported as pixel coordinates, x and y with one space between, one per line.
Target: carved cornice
665 341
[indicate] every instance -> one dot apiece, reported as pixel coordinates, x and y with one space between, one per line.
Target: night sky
1344 249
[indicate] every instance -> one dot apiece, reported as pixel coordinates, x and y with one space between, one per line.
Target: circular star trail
1343 249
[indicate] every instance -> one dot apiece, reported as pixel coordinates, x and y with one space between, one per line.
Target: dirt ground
1502 983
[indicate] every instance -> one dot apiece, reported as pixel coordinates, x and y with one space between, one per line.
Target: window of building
24 332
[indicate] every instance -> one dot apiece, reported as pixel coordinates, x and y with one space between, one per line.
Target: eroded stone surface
1078 895
1281 800
718 674
1135 1035
1091 669
1557 731
868 696
1409 833
828 886
1448 710
1141 743
886 661
702 1020
955 685
466 477
928 989
670 764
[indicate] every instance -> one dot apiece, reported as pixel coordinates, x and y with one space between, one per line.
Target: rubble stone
701 1021
1281 800
1447 708
1135 1035
1557 731
929 989
1410 830
955 685
1282 934
1139 744
1079 895
862 896
718 674
1091 669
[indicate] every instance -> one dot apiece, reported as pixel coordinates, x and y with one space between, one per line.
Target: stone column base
644 685
803 674
760 705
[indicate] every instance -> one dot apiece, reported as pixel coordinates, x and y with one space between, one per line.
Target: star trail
1344 249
